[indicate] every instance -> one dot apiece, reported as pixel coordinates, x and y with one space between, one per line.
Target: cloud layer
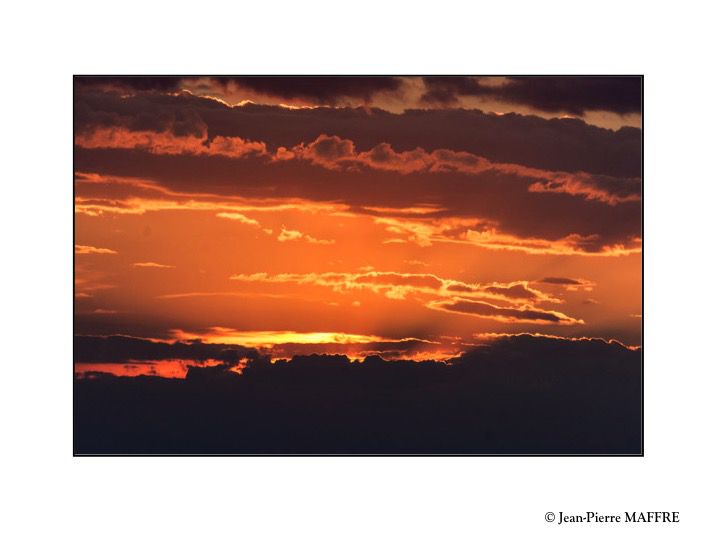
516 394
574 95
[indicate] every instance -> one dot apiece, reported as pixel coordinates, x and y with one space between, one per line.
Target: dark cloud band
574 95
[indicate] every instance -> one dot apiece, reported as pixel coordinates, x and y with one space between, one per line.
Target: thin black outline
642 269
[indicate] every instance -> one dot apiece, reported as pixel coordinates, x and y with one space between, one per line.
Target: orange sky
309 230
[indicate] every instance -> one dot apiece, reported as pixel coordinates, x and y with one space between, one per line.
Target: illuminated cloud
151 265
573 244
549 339
236 216
88 250
268 338
516 202
608 190
286 343
398 285
519 291
336 153
138 196
133 205
166 368
522 139
501 210
132 356
169 143
289 235
475 232
570 284
420 281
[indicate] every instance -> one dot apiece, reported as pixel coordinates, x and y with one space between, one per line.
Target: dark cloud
560 281
130 83
574 95
491 197
461 288
118 349
515 394
557 144
144 112
571 94
319 90
329 150
388 349
484 309
518 291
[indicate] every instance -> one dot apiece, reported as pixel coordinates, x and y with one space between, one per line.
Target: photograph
332 271
357 265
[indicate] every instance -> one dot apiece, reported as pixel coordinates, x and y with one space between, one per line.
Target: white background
46 493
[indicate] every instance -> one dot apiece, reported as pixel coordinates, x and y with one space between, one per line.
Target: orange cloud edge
267 341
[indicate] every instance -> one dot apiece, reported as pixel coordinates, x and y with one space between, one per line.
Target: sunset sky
408 217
